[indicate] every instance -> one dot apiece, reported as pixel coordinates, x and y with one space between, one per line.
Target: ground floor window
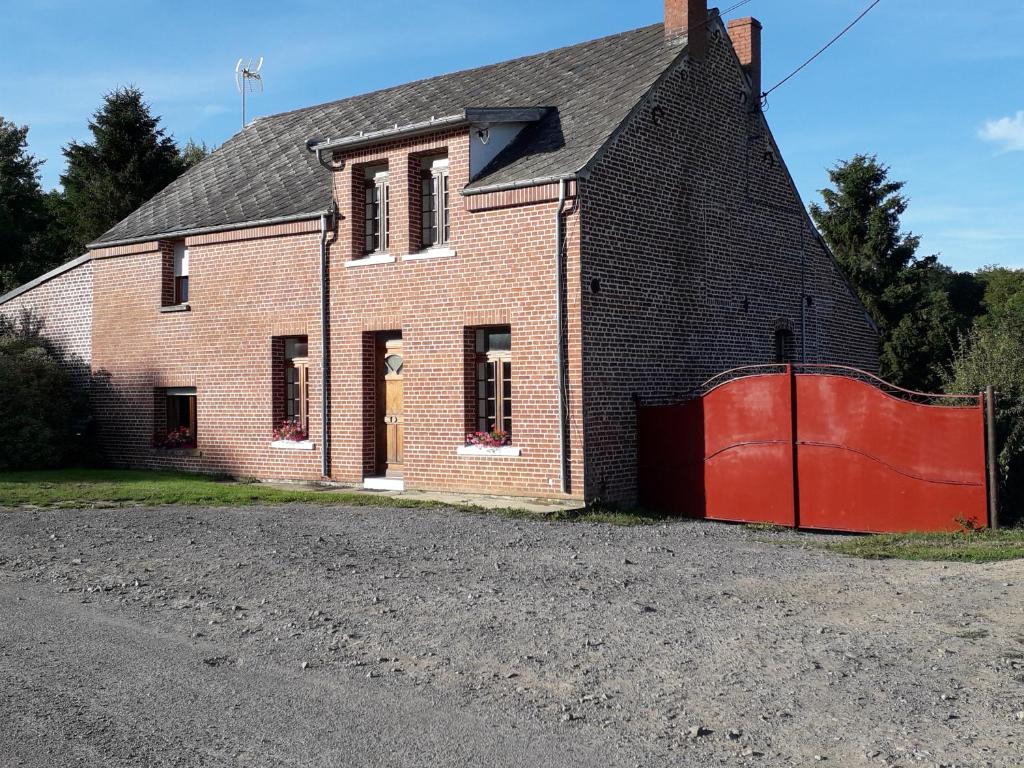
493 384
175 416
290 371
296 381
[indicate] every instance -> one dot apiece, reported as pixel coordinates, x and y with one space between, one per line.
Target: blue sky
934 91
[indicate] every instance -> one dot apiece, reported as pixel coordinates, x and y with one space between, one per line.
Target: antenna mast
248 78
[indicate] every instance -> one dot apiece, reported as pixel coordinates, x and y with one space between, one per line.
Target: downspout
559 361
325 378
325 442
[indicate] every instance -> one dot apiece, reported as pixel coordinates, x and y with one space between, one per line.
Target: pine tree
22 206
129 160
920 306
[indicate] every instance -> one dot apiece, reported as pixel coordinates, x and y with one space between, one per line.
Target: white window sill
480 450
186 307
374 258
430 253
294 445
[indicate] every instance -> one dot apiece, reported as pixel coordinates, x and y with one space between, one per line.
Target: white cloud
1007 131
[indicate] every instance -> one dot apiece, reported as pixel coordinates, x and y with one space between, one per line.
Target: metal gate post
992 457
793 444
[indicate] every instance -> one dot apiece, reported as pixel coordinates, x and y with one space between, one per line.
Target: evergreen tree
193 154
22 206
128 161
920 307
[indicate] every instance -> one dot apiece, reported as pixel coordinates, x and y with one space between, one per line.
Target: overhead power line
710 18
824 48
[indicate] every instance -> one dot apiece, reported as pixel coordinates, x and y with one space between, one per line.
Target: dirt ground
301 636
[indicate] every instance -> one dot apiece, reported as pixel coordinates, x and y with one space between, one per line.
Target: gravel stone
785 650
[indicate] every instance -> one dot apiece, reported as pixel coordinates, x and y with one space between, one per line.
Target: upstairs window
180 273
377 213
494 380
296 381
434 207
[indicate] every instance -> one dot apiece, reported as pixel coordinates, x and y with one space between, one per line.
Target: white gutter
397 132
177 233
468 116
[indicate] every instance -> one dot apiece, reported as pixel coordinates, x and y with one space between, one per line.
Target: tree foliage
992 352
129 159
919 306
22 207
193 153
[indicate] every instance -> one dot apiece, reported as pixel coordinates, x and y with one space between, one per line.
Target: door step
384 484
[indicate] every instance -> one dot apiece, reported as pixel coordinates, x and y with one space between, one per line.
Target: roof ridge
263 172
454 73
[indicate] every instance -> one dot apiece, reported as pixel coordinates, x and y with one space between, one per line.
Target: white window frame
437 167
378 175
180 269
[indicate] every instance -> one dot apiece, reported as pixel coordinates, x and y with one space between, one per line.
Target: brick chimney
746 41
692 15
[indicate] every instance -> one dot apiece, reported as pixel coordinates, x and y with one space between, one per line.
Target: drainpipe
325 380
559 361
325 442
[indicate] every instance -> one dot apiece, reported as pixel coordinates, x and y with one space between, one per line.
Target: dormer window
180 273
377 220
434 181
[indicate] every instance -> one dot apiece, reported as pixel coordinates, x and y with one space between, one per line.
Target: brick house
529 246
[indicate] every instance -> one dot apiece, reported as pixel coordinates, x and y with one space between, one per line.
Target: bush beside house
45 418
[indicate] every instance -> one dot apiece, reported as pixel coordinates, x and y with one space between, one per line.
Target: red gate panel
815 450
724 456
868 461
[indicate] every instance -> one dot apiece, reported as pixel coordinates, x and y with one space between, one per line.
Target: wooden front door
390 427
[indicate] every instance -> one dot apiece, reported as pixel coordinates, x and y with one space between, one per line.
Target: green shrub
43 418
993 353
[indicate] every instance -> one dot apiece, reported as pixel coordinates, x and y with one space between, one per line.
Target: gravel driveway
295 636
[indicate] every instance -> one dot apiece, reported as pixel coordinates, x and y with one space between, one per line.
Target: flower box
489 450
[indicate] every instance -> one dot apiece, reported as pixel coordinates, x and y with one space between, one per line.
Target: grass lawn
122 487
114 487
969 547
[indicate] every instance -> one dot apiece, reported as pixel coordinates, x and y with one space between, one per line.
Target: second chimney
690 18
746 41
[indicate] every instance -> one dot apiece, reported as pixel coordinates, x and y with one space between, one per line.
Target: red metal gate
823 447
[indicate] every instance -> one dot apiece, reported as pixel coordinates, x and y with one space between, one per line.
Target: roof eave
465 118
179 233
519 184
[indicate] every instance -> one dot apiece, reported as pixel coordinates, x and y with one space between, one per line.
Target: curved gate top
816 446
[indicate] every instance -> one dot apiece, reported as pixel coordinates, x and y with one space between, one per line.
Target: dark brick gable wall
695 249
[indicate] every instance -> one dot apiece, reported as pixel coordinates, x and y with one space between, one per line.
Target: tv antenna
248 78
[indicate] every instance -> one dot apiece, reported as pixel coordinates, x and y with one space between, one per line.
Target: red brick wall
694 229
246 287
249 286
65 304
502 274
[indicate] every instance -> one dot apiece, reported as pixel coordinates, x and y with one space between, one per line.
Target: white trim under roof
468 116
178 233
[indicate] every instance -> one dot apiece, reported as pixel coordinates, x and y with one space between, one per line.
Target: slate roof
266 173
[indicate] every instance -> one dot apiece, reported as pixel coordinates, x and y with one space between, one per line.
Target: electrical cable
764 96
